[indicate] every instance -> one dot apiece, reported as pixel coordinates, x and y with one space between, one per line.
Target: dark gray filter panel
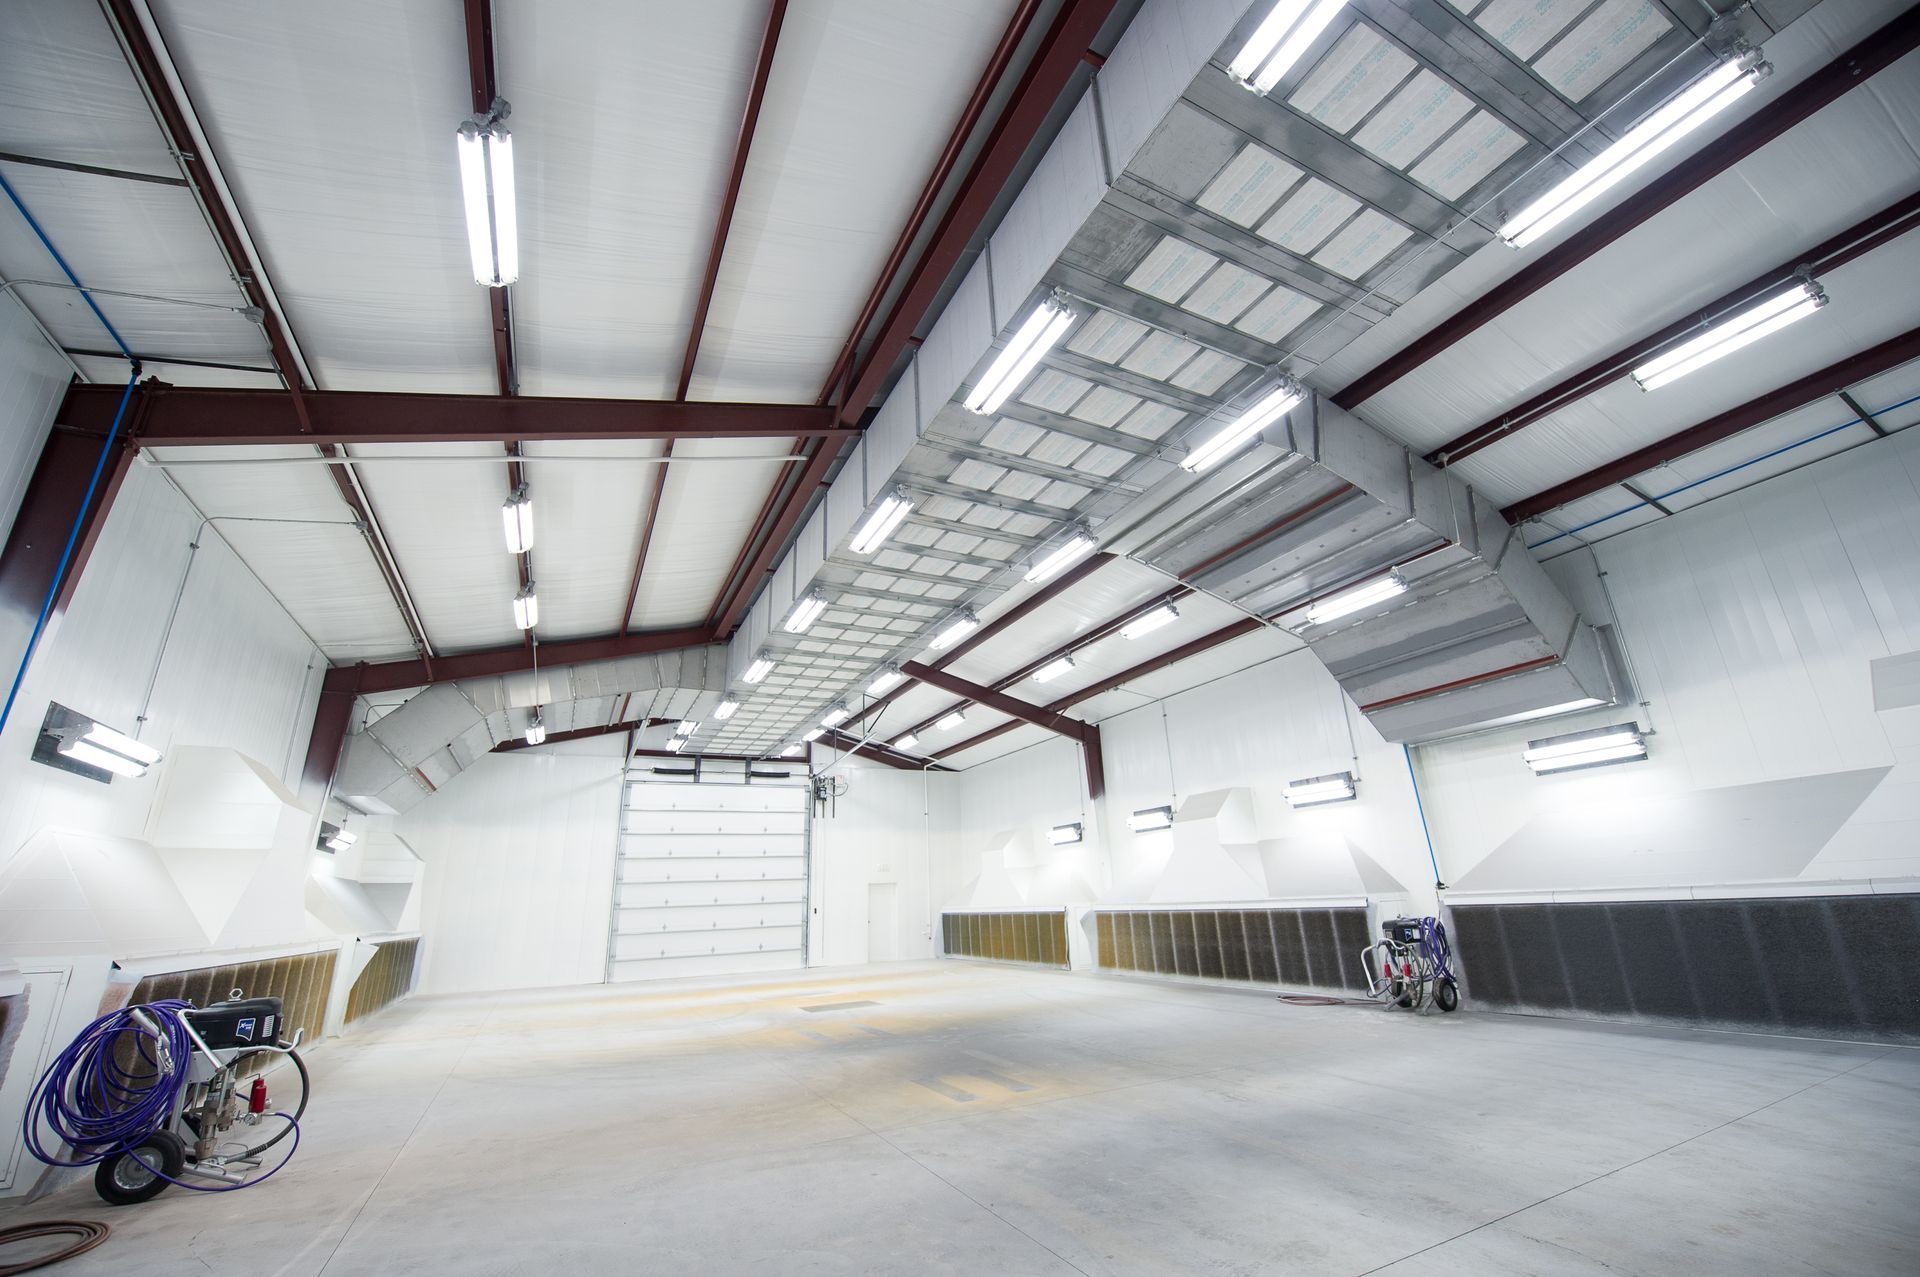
1037 938
1817 965
1301 947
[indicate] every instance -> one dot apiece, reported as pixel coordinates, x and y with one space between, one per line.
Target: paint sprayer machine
169 1093
1411 963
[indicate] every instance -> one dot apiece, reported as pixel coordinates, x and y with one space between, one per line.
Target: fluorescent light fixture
1028 345
1358 599
1148 622
880 524
1317 791
486 189
536 731
725 710
1620 743
120 743
344 838
1289 30
526 608
804 614
791 751
334 844
1266 410
517 516
814 735
1062 835
1077 547
1681 115
760 668
686 727
1053 669
958 628
1729 335
885 681
677 744
1149 819
951 721
105 759
906 742
835 716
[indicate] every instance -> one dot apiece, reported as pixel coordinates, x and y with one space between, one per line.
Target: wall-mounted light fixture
73 742
1576 751
1317 791
1065 835
335 838
1148 819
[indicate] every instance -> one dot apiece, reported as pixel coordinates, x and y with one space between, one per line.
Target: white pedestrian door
712 877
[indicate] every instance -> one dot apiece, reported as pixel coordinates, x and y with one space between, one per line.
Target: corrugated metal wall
386 979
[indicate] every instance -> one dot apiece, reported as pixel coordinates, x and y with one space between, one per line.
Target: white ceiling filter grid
862 97
624 119
319 568
587 519
334 126
442 520
706 513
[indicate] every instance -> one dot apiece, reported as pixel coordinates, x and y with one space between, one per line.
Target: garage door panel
712 844
650 918
731 824
751 891
719 942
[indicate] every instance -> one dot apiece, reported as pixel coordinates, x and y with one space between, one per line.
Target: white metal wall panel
955 343
895 426
711 878
847 499
810 547
1062 193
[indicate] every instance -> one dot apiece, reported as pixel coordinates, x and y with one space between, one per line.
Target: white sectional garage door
712 878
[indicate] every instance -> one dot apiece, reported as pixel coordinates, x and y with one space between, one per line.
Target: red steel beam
1003 53
743 143
1055 65
1856 241
1092 755
813 473
646 539
1822 88
195 416
389 676
1795 394
877 752
994 700
338 691
577 733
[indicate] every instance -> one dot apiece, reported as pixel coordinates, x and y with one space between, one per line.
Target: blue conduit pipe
99 465
1422 809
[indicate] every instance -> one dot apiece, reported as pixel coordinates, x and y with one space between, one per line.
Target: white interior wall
519 852
33 378
1754 624
883 829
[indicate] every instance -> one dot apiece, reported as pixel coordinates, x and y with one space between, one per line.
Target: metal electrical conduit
1657 498
99 465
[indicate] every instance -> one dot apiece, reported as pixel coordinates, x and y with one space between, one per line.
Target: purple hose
99 1108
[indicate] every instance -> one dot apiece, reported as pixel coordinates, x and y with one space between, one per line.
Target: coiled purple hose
99 1108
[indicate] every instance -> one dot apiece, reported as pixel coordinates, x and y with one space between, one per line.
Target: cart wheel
1446 995
126 1179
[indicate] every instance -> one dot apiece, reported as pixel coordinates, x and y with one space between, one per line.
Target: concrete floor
991 1120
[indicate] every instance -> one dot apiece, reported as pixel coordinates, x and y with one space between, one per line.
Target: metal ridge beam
1820 89
1856 241
187 417
390 676
1056 64
1795 394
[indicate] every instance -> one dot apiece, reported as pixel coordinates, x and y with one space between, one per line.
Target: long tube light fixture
517 517
1148 622
1074 549
677 744
958 628
1149 819
1576 751
906 742
1053 669
1317 791
1025 349
526 608
1729 335
486 188
814 735
81 751
758 670
1358 599
686 727
726 709
1266 410
1287 32
791 751
1686 111
835 716
804 614
885 681
952 721
880 524
536 730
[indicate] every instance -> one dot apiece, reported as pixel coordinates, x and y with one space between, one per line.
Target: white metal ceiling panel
588 518
706 512
862 92
66 94
334 126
